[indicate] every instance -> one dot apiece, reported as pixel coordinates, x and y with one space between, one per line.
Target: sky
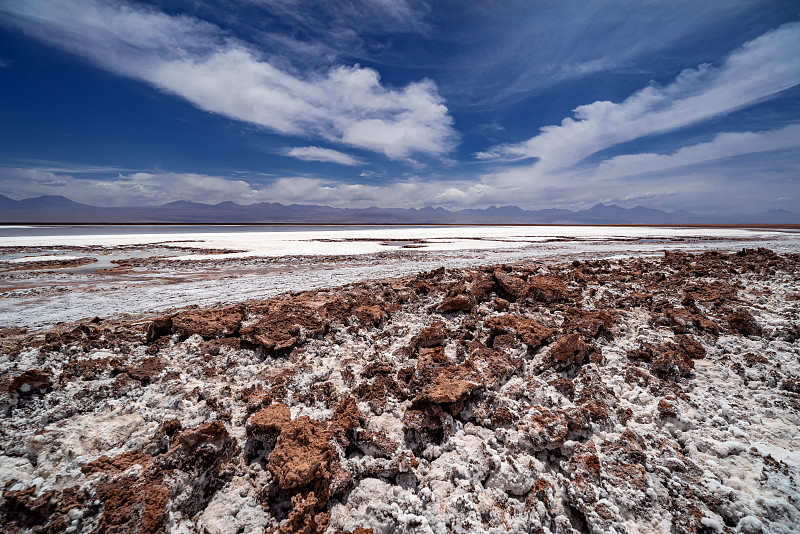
673 104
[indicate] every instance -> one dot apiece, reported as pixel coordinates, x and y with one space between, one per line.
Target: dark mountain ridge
58 209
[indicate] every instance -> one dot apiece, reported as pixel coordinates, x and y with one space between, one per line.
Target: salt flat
144 269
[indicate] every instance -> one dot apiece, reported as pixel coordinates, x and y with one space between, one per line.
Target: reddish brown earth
633 395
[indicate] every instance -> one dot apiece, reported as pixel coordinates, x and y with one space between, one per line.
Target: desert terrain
627 392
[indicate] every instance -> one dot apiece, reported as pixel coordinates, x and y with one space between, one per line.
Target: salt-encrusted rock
457 303
284 328
547 289
432 336
513 285
529 331
541 428
568 351
589 323
209 324
743 322
513 476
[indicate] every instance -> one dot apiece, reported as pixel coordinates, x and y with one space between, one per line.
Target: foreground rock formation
633 395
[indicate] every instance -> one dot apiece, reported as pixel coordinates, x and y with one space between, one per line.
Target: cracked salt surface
622 440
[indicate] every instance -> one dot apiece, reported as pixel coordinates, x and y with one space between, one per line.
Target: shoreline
458 225
139 277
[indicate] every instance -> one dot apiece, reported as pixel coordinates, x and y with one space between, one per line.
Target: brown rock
346 415
457 303
30 381
671 363
374 315
268 421
209 324
527 330
568 351
744 323
493 367
589 323
481 287
147 369
134 504
283 329
446 390
505 341
87 369
564 386
514 286
204 446
501 417
547 289
27 511
303 518
501 304
302 457
433 336
694 349
158 327
667 409
12 331
122 462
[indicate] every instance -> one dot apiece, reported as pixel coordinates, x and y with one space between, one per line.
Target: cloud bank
198 62
734 172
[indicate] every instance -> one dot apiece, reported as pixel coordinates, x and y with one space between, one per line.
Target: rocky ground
626 395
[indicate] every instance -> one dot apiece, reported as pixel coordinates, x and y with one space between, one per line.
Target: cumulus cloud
198 62
315 153
758 70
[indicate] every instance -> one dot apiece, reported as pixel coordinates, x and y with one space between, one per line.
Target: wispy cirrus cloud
510 51
757 71
218 73
315 153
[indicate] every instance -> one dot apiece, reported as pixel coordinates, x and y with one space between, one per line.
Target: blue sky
398 103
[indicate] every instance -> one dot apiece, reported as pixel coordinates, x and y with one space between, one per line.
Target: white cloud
139 188
197 61
758 70
315 153
735 171
723 146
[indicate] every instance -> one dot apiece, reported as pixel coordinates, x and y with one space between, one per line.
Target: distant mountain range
58 209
